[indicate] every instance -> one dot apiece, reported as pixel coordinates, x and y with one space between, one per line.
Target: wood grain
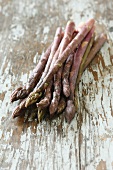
26 29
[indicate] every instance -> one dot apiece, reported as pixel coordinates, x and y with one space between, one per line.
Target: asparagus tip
104 35
32 98
14 95
71 23
15 112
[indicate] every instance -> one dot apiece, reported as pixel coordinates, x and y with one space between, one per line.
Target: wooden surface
26 28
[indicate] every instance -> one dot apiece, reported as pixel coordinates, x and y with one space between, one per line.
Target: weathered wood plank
26 29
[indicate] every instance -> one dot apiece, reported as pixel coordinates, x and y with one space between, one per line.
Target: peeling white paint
17 31
46 30
24 78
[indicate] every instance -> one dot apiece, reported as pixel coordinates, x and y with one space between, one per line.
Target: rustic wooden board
26 29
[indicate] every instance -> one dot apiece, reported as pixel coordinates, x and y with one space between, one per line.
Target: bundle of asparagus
52 84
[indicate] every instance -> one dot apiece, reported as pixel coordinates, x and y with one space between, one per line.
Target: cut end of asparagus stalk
90 23
104 36
58 31
70 27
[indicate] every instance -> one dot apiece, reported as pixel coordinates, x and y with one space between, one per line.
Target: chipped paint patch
17 32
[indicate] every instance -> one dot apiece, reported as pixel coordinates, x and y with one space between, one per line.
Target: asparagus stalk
84 59
60 61
55 45
65 75
22 92
70 109
56 94
70 28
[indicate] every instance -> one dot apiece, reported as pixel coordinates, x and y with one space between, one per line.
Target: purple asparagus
70 109
60 61
65 75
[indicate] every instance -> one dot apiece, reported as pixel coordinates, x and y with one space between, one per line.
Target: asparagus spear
22 92
56 93
60 61
85 58
65 75
70 28
70 109
55 45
